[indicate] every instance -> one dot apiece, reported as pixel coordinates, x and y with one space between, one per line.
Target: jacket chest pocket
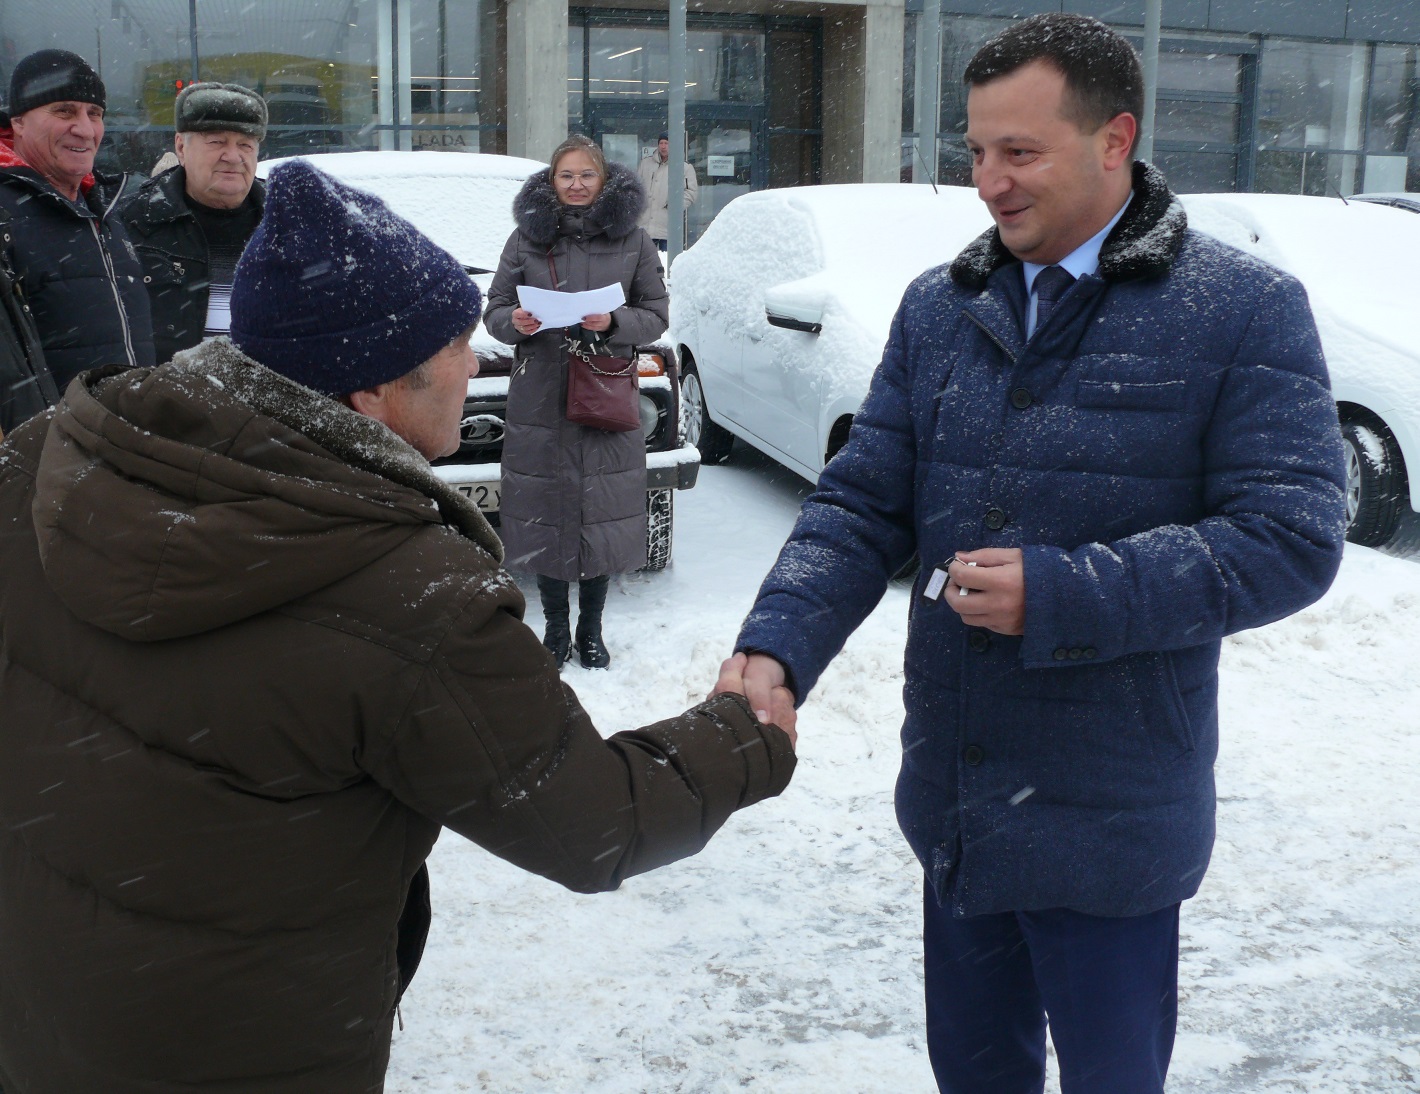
162 270
1123 382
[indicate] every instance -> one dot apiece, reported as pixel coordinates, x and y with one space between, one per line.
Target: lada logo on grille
482 429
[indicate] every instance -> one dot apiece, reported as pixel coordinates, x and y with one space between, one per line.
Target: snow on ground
786 958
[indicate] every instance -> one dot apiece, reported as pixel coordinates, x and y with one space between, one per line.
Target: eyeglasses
567 178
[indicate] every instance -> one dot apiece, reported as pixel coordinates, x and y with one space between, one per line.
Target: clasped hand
760 679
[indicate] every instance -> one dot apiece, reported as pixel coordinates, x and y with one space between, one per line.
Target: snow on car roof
1357 262
870 240
462 201
850 250
1310 236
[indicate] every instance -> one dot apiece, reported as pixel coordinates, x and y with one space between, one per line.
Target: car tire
660 529
1375 482
713 442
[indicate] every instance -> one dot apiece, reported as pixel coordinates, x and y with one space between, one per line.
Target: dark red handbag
601 389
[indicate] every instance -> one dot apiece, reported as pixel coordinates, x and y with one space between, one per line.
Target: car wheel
660 528
1375 483
714 442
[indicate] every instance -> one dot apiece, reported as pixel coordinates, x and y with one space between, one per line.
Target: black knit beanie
54 76
338 293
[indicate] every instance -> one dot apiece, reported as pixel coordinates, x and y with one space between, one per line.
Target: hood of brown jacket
175 500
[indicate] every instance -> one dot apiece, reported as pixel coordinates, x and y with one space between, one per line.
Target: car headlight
650 416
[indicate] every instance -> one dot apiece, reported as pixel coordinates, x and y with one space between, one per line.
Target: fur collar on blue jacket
615 211
1143 244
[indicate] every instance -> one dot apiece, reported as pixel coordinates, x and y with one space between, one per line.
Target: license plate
485 495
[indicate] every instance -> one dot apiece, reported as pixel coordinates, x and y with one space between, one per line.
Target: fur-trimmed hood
615 212
1143 244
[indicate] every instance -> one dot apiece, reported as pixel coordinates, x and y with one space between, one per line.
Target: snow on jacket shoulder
255 655
1165 452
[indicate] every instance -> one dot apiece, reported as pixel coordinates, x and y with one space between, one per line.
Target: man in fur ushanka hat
256 655
191 222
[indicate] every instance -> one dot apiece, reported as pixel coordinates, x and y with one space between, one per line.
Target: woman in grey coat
574 498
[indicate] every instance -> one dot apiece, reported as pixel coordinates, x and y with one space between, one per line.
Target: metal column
675 133
927 91
1153 18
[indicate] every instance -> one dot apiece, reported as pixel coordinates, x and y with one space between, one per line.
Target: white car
1399 200
464 203
781 310
1357 261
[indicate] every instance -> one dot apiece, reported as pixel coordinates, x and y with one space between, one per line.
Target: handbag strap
591 359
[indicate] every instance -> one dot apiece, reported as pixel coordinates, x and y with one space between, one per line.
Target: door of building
724 147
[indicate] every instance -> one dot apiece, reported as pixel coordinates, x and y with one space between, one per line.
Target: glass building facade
778 93
1263 113
336 74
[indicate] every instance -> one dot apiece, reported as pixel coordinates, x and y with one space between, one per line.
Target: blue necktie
1050 285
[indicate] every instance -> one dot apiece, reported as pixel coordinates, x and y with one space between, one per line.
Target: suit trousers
1108 988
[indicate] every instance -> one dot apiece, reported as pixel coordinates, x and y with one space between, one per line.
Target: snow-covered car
781 310
1357 261
1401 200
464 203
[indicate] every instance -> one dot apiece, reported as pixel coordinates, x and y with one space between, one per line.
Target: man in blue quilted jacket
1112 442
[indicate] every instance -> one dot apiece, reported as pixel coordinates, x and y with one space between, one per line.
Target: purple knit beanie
338 293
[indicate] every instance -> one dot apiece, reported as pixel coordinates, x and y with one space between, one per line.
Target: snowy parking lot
786 957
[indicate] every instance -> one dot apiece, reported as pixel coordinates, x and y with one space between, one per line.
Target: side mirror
792 308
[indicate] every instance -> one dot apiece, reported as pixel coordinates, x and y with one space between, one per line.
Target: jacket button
979 641
995 519
973 755
1021 398
1090 653
1075 654
1061 654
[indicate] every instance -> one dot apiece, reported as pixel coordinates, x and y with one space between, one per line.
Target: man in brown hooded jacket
255 655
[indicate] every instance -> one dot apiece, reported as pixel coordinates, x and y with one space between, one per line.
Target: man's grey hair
421 376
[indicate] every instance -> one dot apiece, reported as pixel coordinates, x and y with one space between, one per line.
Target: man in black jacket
191 223
69 258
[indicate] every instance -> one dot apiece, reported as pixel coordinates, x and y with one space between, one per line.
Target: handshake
760 679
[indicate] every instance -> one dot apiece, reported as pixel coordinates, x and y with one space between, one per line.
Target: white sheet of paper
566 309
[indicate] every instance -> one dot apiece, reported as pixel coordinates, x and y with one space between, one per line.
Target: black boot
591 598
557 637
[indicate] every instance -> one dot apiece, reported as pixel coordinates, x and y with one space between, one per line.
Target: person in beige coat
255 656
654 173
